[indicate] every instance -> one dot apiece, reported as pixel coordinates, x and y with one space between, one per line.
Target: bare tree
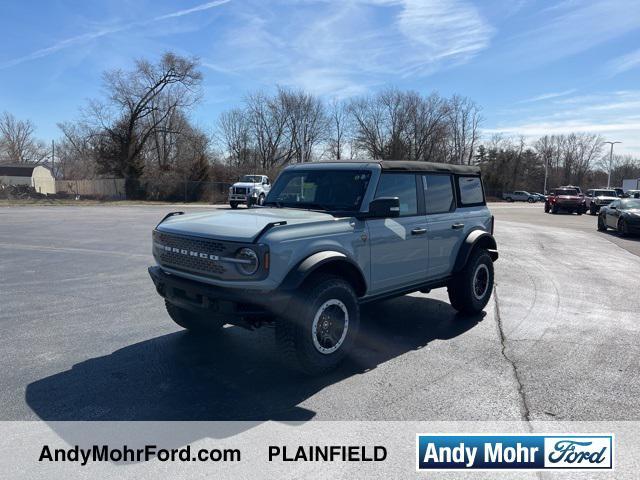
138 103
306 121
464 122
18 143
234 130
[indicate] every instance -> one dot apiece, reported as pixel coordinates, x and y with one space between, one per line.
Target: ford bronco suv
568 199
329 238
250 190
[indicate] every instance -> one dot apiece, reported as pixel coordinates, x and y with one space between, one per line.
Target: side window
438 193
403 186
470 191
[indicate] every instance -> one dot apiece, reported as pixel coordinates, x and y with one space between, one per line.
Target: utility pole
610 162
53 157
546 174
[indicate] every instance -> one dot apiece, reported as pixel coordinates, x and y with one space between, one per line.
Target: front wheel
192 321
592 209
623 228
546 208
261 199
234 205
602 227
554 209
531 200
470 290
321 325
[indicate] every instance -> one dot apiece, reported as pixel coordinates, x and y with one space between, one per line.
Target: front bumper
234 305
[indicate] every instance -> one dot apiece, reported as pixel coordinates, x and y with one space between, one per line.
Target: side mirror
384 207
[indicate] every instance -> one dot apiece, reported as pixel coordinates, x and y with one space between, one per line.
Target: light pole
610 162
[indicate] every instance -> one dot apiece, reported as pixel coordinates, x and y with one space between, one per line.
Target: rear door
399 246
444 225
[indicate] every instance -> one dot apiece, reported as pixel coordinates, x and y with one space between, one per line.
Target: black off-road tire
593 210
192 321
261 199
462 291
602 227
547 208
234 205
294 331
554 209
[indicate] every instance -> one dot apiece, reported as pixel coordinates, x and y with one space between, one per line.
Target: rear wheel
602 227
321 325
509 199
554 209
623 228
192 321
531 200
470 290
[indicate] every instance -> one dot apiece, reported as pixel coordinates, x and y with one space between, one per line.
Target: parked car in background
596 198
620 192
519 196
540 197
622 215
565 199
632 194
250 190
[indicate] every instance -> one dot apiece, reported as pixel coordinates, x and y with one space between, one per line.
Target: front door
399 246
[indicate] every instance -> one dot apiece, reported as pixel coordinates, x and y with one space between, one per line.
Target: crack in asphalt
524 405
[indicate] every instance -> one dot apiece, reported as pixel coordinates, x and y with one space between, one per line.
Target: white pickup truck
250 190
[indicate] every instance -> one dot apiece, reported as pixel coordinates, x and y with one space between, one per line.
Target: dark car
566 199
623 215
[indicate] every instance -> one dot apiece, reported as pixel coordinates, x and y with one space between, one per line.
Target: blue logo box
514 452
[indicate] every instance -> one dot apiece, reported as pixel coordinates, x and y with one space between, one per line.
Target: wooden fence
112 188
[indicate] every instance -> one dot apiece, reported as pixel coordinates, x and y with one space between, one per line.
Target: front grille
604 201
239 190
191 254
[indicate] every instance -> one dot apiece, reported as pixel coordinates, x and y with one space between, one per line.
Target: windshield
565 191
331 190
605 193
251 178
630 204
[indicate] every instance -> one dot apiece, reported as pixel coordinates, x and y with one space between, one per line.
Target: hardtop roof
403 165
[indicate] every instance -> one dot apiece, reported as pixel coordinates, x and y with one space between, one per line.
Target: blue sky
535 67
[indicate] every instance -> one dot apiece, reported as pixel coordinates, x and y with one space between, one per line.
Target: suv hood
237 225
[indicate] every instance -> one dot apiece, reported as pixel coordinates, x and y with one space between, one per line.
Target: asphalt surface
85 336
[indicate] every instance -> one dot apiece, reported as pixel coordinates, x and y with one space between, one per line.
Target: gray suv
329 238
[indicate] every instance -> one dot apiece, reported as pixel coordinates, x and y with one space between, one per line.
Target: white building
36 176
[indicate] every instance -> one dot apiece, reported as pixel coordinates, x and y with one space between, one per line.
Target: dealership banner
319 449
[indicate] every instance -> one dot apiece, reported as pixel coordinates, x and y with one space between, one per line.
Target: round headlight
248 262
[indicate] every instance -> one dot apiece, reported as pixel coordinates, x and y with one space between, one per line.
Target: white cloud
624 63
614 115
346 47
547 96
574 28
87 37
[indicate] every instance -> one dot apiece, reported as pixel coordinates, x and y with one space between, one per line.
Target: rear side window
403 186
438 193
470 191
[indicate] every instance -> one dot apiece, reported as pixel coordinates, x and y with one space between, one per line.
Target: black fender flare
332 261
476 238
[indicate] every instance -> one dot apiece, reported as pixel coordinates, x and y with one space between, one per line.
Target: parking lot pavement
86 336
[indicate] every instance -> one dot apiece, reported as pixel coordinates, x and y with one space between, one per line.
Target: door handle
418 231
457 226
